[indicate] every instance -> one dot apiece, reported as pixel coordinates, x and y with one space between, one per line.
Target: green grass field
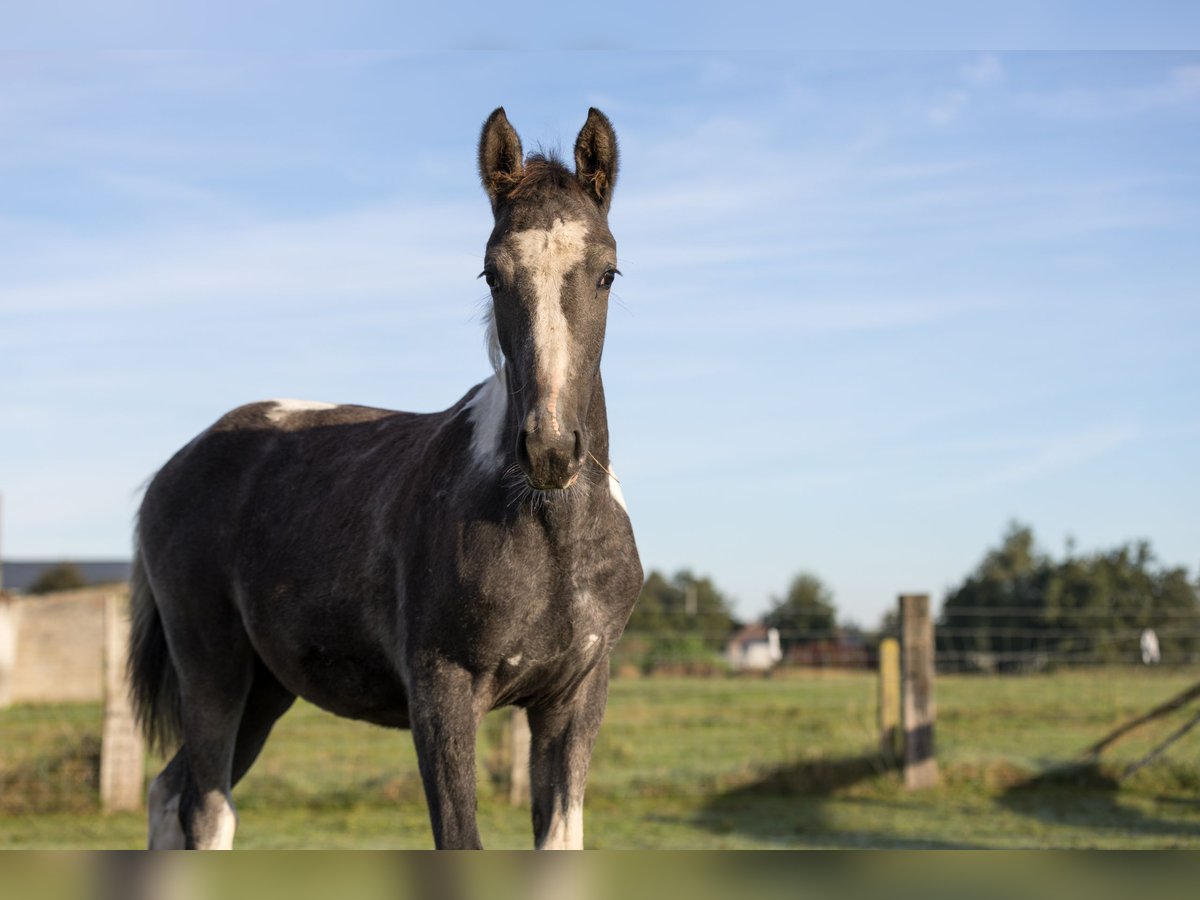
691 763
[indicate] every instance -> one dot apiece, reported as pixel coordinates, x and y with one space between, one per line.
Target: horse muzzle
550 455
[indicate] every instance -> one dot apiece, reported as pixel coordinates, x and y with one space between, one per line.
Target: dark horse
410 570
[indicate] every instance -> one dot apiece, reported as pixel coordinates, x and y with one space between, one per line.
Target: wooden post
518 743
889 698
122 756
916 635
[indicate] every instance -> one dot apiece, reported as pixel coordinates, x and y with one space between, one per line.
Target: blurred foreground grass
691 763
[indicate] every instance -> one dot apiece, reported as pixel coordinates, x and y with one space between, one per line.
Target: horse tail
153 681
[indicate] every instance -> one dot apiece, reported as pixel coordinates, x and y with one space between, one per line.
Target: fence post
519 737
122 756
8 646
889 697
916 635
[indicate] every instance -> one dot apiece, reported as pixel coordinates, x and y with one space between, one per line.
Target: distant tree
1020 607
683 619
997 613
805 613
61 577
889 624
683 604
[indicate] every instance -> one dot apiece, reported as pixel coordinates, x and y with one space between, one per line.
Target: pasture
784 762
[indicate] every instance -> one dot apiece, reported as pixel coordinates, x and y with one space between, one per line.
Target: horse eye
606 280
491 279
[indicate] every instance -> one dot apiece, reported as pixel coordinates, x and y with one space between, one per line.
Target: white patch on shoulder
591 639
494 351
547 255
284 408
614 488
514 660
487 410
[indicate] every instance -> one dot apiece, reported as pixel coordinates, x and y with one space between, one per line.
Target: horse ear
596 157
500 157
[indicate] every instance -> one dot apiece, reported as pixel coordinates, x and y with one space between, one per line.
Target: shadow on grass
1086 795
788 806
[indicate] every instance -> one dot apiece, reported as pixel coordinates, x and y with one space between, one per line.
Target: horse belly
336 663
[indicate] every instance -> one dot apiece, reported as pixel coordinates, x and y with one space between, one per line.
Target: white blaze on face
545 257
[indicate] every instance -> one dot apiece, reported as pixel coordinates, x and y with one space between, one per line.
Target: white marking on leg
565 832
166 833
284 408
547 255
487 409
225 826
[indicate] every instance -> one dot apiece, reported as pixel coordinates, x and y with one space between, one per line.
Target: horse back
281 517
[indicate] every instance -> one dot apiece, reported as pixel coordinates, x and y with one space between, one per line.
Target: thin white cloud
1053 455
800 316
166 192
367 252
981 74
1178 89
947 108
986 71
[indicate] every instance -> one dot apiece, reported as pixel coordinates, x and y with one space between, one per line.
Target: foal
410 570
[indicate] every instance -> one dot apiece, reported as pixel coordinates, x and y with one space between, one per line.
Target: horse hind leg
206 808
162 802
214 688
267 701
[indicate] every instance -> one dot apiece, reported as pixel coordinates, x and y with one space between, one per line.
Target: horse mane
543 170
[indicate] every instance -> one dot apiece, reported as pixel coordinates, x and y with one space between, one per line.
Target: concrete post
519 738
122 755
8 646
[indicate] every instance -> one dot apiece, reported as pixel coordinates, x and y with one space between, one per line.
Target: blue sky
875 304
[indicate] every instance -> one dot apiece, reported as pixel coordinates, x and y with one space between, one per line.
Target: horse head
549 264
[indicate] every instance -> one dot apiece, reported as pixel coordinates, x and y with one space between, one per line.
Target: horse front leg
443 722
561 740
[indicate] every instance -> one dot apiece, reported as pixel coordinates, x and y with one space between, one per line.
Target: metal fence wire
685 721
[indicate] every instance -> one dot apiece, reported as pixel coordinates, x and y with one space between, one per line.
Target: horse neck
597 424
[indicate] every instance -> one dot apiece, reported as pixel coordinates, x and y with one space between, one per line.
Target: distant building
19 575
754 648
839 652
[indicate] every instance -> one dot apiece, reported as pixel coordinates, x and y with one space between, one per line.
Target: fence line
848 699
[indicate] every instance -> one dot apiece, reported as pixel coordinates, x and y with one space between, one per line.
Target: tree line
682 621
1022 608
1019 608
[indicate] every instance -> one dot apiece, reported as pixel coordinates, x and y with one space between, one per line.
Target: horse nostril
579 447
523 448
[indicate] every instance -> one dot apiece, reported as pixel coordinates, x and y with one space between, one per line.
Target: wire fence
1003 640
686 719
